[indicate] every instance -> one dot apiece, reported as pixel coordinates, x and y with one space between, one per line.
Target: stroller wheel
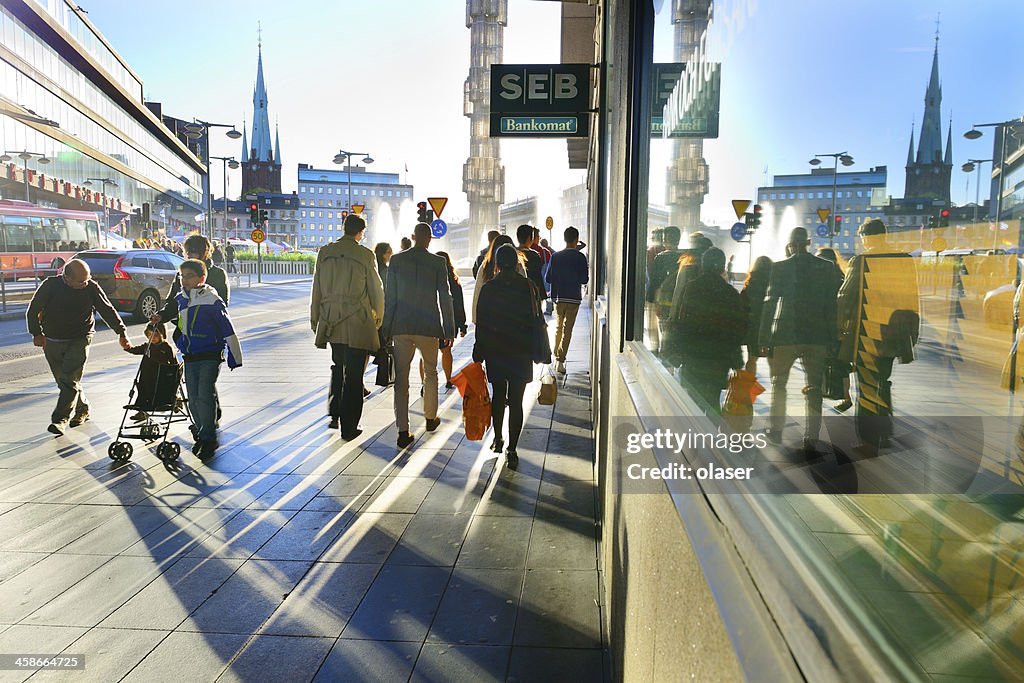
168 451
120 451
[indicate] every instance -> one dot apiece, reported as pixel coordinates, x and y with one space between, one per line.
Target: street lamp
967 168
838 158
201 130
106 208
25 156
232 163
346 157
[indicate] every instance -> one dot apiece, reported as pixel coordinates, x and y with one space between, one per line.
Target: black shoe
57 427
79 419
366 392
512 459
351 436
404 439
433 424
498 445
843 405
205 449
335 423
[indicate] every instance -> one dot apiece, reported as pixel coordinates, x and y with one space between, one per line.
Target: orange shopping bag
738 409
476 401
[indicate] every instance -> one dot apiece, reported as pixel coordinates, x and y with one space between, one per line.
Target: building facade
324 201
72 105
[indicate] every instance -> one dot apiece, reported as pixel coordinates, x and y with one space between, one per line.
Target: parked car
135 280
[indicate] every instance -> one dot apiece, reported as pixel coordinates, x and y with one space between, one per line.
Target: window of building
320 189
799 195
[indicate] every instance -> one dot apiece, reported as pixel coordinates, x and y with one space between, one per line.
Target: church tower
261 162
928 172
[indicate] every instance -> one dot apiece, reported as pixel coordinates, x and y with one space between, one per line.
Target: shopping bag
741 392
832 379
385 366
548 388
471 381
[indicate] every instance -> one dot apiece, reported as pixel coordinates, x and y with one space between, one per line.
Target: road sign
823 215
549 223
822 230
739 231
739 206
438 228
939 244
358 208
258 235
437 204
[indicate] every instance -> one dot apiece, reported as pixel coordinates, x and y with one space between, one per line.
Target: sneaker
560 367
404 439
433 424
335 423
139 416
57 427
79 419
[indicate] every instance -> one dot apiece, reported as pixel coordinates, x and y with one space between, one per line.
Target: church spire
948 160
261 116
277 145
930 149
245 144
910 152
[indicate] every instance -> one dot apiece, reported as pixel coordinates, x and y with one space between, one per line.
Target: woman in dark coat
504 341
754 290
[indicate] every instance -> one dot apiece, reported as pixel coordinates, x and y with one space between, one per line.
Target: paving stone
479 607
400 494
370 538
459 494
35 640
279 658
554 665
12 563
170 598
109 654
513 495
568 543
559 609
181 532
26 517
291 492
496 543
61 529
121 531
305 536
573 497
322 603
187 657
28 591
431 539
242 535
400 604
368 661
444 662
247 598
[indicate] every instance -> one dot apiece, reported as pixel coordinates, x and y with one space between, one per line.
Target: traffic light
944 218
145 212
933 222
254 212
748 221
838 225
264 216
421 212
344 215
756 222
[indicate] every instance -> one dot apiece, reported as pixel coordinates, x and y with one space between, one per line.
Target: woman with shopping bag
504 343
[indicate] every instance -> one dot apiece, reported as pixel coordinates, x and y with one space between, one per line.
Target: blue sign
738 231
822 230
438 228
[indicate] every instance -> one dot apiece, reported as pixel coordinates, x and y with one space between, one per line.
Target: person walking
488 269
534 263
567 274
60 320
799 321
729 269
229 254
710 331
829 254
504 341
417 314
383 252
661 280
459 306
872 343
754 289
346 308
491 236
197 247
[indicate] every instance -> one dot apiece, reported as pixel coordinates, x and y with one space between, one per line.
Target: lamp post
106 208
227 162
25 156
201 130
838 158
346 157
967 168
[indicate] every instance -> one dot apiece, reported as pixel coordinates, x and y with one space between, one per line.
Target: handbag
832 378
548 389
741 392
471 381
385 366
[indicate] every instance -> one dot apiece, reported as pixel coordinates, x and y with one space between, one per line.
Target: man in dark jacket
534 263
711 328
799 321
491 236
567 274
661 279
60 320
418 314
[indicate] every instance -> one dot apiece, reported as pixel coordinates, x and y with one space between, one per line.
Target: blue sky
386 77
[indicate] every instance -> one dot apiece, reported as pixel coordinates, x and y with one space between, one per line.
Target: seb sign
540 100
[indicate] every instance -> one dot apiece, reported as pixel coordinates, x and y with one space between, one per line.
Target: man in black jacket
799 321
60 320
534 263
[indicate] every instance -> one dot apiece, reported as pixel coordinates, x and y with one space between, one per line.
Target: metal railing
276 267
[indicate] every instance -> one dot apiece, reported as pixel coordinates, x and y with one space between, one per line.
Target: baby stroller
164 405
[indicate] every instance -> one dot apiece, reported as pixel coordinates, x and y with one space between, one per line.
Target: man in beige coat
345 311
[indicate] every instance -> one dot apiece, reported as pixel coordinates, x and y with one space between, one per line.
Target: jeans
201 382
345 399
67 363
565 319
406 346
780 362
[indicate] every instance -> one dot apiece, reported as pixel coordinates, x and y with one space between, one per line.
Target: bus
36 241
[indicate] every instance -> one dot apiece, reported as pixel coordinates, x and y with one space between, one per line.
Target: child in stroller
155 352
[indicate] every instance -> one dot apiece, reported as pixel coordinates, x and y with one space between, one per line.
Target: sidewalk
293 555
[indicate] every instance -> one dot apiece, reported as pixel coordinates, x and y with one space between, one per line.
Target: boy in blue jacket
205 332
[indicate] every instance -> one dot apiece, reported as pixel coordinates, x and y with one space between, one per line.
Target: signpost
822 229
740 207
823 215
738 231
258 236
540 100
549 223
